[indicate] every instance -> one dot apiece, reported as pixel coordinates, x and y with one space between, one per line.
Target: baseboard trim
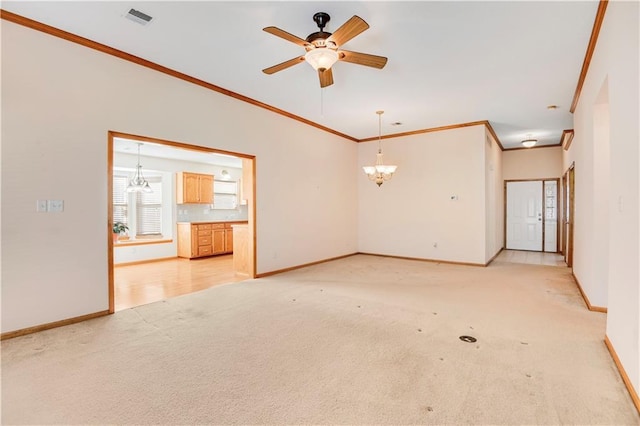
586 299
140 262
494 257
55 324
293 268
623 373
420 259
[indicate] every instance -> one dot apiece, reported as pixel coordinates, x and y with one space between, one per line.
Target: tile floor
531 257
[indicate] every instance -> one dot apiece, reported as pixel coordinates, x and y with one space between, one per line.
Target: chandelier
380 172
139 183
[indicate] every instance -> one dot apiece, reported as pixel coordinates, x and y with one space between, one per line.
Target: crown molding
439 129
602 7
56 32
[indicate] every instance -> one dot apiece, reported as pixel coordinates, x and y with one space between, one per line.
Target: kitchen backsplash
203 213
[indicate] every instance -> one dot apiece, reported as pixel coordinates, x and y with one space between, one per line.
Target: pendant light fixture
379 173
139 183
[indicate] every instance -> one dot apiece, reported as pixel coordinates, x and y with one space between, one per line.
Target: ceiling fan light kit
322 48
321 59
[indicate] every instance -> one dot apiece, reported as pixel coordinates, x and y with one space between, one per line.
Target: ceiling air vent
139 17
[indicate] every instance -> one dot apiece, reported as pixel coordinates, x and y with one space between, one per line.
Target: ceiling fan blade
348 30
362 59
326 77
287 36
284 65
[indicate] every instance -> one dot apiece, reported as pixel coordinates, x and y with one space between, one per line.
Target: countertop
215 221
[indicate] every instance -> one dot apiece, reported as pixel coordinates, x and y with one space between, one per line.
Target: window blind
149 210
120 199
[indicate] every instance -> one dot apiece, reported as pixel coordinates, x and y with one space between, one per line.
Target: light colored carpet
362 340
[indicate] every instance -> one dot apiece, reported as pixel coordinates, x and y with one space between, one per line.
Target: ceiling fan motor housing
318 38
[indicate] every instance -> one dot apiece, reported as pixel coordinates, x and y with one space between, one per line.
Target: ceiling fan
323 48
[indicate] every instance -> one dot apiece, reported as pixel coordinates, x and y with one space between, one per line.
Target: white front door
524 215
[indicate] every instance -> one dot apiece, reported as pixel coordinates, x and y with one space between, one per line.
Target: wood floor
140 284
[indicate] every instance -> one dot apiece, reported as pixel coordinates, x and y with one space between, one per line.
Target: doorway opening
149 256
531 212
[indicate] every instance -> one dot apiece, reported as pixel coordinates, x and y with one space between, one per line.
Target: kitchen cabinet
194 240
218 239
205 239
228 237
194 188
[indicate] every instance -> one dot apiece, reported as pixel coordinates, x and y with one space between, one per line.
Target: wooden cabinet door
194 188
206 189
191 187
218 241
228 237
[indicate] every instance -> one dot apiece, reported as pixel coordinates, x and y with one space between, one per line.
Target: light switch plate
41 206
56 206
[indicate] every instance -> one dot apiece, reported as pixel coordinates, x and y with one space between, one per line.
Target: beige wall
494 207
60 99
606 153
415 210
535 163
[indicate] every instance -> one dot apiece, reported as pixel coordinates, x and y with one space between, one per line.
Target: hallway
531 258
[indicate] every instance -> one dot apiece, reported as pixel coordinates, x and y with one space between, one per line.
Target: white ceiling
449 62
149 149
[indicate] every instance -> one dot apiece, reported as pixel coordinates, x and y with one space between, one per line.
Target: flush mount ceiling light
139 183
380 172
528 143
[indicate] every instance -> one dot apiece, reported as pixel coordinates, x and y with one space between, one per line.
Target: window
142 212
149 210
120 199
